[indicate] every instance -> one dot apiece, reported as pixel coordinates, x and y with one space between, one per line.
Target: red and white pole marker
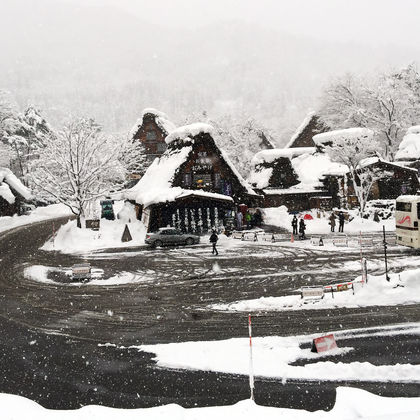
361 258
251 364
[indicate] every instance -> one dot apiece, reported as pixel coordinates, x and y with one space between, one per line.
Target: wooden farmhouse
193 186
408 153
294 177
311 126
151 130
12 193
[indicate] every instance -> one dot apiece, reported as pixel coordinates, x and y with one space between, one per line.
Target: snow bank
187 132
274 357
403 289
71 239
351 404
409 148
39 214
279 216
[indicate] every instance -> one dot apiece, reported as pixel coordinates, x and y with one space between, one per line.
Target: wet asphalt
51 332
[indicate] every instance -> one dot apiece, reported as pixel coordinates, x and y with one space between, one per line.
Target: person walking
213 239
302 228
295 225
341 221
332 221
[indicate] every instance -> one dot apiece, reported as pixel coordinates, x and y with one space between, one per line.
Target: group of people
248 219
302 227
341 219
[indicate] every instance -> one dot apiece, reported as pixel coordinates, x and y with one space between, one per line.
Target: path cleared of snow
39 214
273 357
351 404
402 289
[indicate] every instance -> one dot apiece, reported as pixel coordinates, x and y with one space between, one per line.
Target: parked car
171 236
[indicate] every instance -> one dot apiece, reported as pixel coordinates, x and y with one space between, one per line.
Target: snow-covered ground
402 289
71 239
39 214
279 216
273 357
351 403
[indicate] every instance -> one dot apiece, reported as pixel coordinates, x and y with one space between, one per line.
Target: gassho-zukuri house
12 193
192 186
305 177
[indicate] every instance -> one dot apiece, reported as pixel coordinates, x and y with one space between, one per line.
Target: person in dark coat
341 221
302 228
213 239
332 221
295 225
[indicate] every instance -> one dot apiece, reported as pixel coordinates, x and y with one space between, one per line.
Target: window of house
217 180
151 135
187 180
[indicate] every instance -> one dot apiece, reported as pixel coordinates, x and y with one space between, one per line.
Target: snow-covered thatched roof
160 118
271 155
157 183
409 148
187 132
348 133
10 185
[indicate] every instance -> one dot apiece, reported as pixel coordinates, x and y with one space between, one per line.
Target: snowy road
163 296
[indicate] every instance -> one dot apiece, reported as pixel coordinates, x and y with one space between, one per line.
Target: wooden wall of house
152 137
315 126
206 170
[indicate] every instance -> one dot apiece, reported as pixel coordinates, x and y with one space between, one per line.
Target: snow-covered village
210 208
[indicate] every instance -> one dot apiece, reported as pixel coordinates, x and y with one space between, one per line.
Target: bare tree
353 147
387 104
81 164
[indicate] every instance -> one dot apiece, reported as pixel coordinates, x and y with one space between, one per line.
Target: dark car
171 236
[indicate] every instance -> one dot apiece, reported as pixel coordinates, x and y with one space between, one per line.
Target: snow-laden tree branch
388 104
353 147
81 164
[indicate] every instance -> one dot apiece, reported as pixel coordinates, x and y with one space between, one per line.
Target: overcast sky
266 58
367 21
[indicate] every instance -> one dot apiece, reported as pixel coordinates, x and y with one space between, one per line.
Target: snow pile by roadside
71 239
279 216
39 214
402 289
273 357
351 403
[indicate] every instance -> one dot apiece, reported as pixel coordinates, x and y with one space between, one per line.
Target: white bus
407 217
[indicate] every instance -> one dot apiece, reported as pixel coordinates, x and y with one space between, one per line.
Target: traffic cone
292 239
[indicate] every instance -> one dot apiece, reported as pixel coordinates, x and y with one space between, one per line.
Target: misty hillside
106 63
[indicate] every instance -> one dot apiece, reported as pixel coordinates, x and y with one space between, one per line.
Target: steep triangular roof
157 183
310 126
159 117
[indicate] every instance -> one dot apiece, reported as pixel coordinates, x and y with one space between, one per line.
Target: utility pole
386 259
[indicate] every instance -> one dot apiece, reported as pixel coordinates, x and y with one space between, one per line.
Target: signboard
93 224
342 287
81 271
237 235
340 241
312 292
324 343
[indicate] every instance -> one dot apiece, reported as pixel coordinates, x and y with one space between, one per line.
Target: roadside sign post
251 364
386 260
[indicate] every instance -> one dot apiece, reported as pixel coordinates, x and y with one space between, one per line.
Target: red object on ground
308 217
325 343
